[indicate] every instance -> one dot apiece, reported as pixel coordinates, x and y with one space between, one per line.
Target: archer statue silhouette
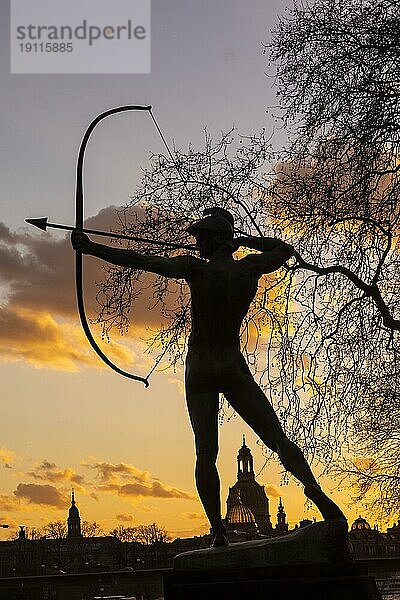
222 289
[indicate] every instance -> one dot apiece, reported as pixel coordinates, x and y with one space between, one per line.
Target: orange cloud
48 471
125 517
156 489
46 495
194 516
273 491
127 480
7 456
9 503
109 472
40 340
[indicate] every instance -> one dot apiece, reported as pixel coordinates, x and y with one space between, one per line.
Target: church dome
360 524
240 514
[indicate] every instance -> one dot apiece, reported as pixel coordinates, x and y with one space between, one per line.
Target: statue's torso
221 295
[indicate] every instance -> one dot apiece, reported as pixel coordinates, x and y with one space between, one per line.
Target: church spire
281 525
74 520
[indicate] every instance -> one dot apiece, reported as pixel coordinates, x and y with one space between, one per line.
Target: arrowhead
40 223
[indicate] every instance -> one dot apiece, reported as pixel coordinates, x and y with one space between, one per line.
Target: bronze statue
222 289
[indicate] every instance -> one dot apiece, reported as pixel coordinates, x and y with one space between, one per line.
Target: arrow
42 223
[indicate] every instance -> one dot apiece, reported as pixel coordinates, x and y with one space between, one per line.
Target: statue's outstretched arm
178 267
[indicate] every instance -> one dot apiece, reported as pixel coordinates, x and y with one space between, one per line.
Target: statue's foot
220 538
326 506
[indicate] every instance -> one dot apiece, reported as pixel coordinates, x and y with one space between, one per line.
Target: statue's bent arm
273 255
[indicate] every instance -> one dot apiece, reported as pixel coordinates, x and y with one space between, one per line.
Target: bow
79 218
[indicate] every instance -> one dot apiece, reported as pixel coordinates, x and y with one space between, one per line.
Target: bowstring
162 136
184 181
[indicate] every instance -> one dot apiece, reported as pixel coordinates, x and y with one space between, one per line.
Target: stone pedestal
299 582
311 563
323 542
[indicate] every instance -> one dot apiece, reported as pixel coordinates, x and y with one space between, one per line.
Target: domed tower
361 524
366 542
281 524
74 520
252 495
240 517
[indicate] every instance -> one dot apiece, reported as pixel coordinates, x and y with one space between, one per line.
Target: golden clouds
126 480
6 457
194 516
368 464
48 471
111 473
47 487
43 341
40 340
120 479
125 517
9 503
35 320
29 495
155 489
45 495
273 491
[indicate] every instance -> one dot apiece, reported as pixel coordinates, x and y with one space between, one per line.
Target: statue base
345 581
322 542
311 562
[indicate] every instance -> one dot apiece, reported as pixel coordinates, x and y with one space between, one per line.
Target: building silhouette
72 553
247 517
369 542
74 520
248 496
248 514
281 524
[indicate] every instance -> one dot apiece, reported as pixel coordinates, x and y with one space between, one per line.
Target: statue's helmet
218 220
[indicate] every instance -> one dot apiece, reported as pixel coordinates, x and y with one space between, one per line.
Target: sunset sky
68 421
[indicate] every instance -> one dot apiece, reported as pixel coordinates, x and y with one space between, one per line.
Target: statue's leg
250 402
203 413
